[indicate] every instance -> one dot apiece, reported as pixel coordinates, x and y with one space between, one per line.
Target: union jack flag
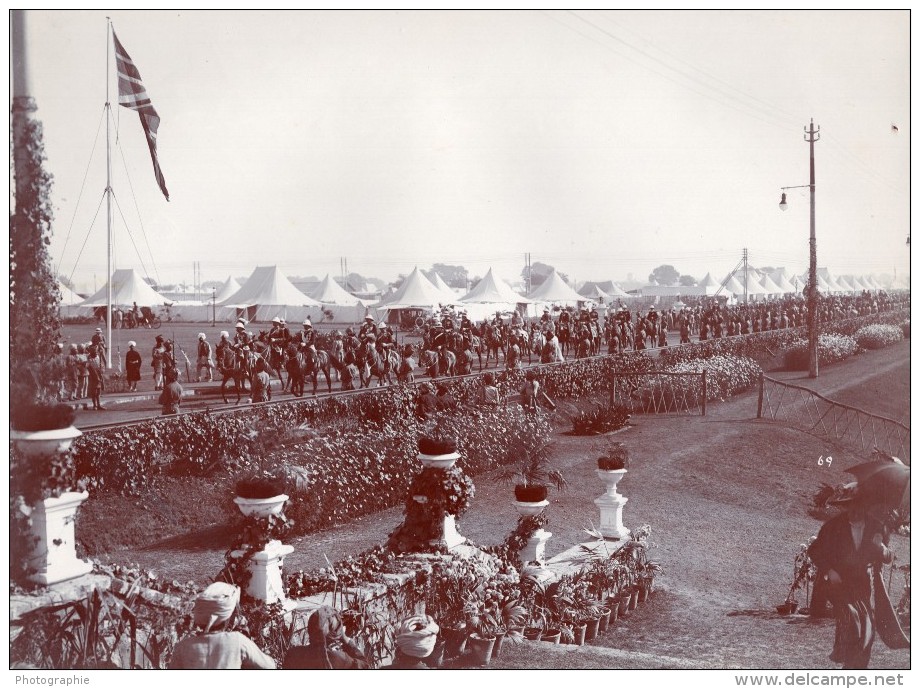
133 95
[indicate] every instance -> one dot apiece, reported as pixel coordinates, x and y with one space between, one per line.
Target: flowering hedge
832 347
726 375
878 336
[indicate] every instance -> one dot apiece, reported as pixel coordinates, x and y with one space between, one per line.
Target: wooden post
613 390
704 392
760 398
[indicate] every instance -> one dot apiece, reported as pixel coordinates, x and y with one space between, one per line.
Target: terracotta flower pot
480 648
552 636
591 628
578 631
455 641
603 620
533 633
634 599
499 642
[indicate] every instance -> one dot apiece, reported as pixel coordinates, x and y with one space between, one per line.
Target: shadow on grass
218 537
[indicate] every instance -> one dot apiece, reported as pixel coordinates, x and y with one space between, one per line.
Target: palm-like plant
533 469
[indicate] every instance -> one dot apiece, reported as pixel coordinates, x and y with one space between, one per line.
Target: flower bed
878 336
726 375
832 347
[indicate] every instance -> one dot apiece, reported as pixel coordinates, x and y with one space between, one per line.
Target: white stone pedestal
535 550
54 557
610 505
266 583
451 536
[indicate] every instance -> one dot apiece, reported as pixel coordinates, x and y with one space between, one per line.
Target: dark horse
374 364
494 339
463 349
238 366
302 364
439 363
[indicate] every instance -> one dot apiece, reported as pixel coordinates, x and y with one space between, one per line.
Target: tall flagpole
108 197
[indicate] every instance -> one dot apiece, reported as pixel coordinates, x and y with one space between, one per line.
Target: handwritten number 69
822 460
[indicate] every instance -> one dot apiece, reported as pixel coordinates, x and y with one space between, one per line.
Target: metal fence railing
805 409
660 392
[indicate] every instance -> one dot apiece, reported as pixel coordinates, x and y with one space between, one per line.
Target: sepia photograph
562 339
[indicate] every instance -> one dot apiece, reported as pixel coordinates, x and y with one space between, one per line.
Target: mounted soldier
367 328
241 338
306 338
385 338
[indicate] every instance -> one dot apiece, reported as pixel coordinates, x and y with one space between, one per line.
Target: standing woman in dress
158 355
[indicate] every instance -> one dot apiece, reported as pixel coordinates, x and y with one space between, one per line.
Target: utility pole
744 263
811 136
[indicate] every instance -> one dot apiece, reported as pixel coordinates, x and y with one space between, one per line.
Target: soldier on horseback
306 338
546 321
368 328
385 338
241 338
279 335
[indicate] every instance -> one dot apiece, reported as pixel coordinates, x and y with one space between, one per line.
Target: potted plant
40 422
437 448
260 494
615 458
530 477
803 574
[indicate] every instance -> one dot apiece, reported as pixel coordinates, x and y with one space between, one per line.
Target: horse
273 353
583 342
494 342
535 344
565 331
439 363
235 365
463 348
304 363
374 364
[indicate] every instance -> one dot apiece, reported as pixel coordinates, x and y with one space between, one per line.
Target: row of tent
268 293
756 284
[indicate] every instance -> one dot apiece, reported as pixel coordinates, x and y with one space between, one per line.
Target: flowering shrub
878 336
726 375
832 347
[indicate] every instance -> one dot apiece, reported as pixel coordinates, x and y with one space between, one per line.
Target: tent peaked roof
68 296
330 292
268 286
782 281
416 292
438 282
229 288
708 281
618 291
732 285
127 287
593 291
491 290
770 286
554 288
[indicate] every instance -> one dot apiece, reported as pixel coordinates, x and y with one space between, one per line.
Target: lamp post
213 306
811 136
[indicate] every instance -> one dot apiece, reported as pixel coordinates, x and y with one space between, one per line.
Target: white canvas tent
554 290
416 292
783 283
267 293
344 306
450 295
731 285
128 287
229 288
770 287
489 295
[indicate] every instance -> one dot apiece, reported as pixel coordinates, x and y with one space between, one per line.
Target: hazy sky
604 143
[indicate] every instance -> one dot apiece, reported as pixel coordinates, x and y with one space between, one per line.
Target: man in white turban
215 648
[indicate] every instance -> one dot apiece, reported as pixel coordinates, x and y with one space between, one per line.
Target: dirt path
727 498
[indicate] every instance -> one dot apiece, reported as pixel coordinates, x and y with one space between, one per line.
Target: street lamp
811 136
